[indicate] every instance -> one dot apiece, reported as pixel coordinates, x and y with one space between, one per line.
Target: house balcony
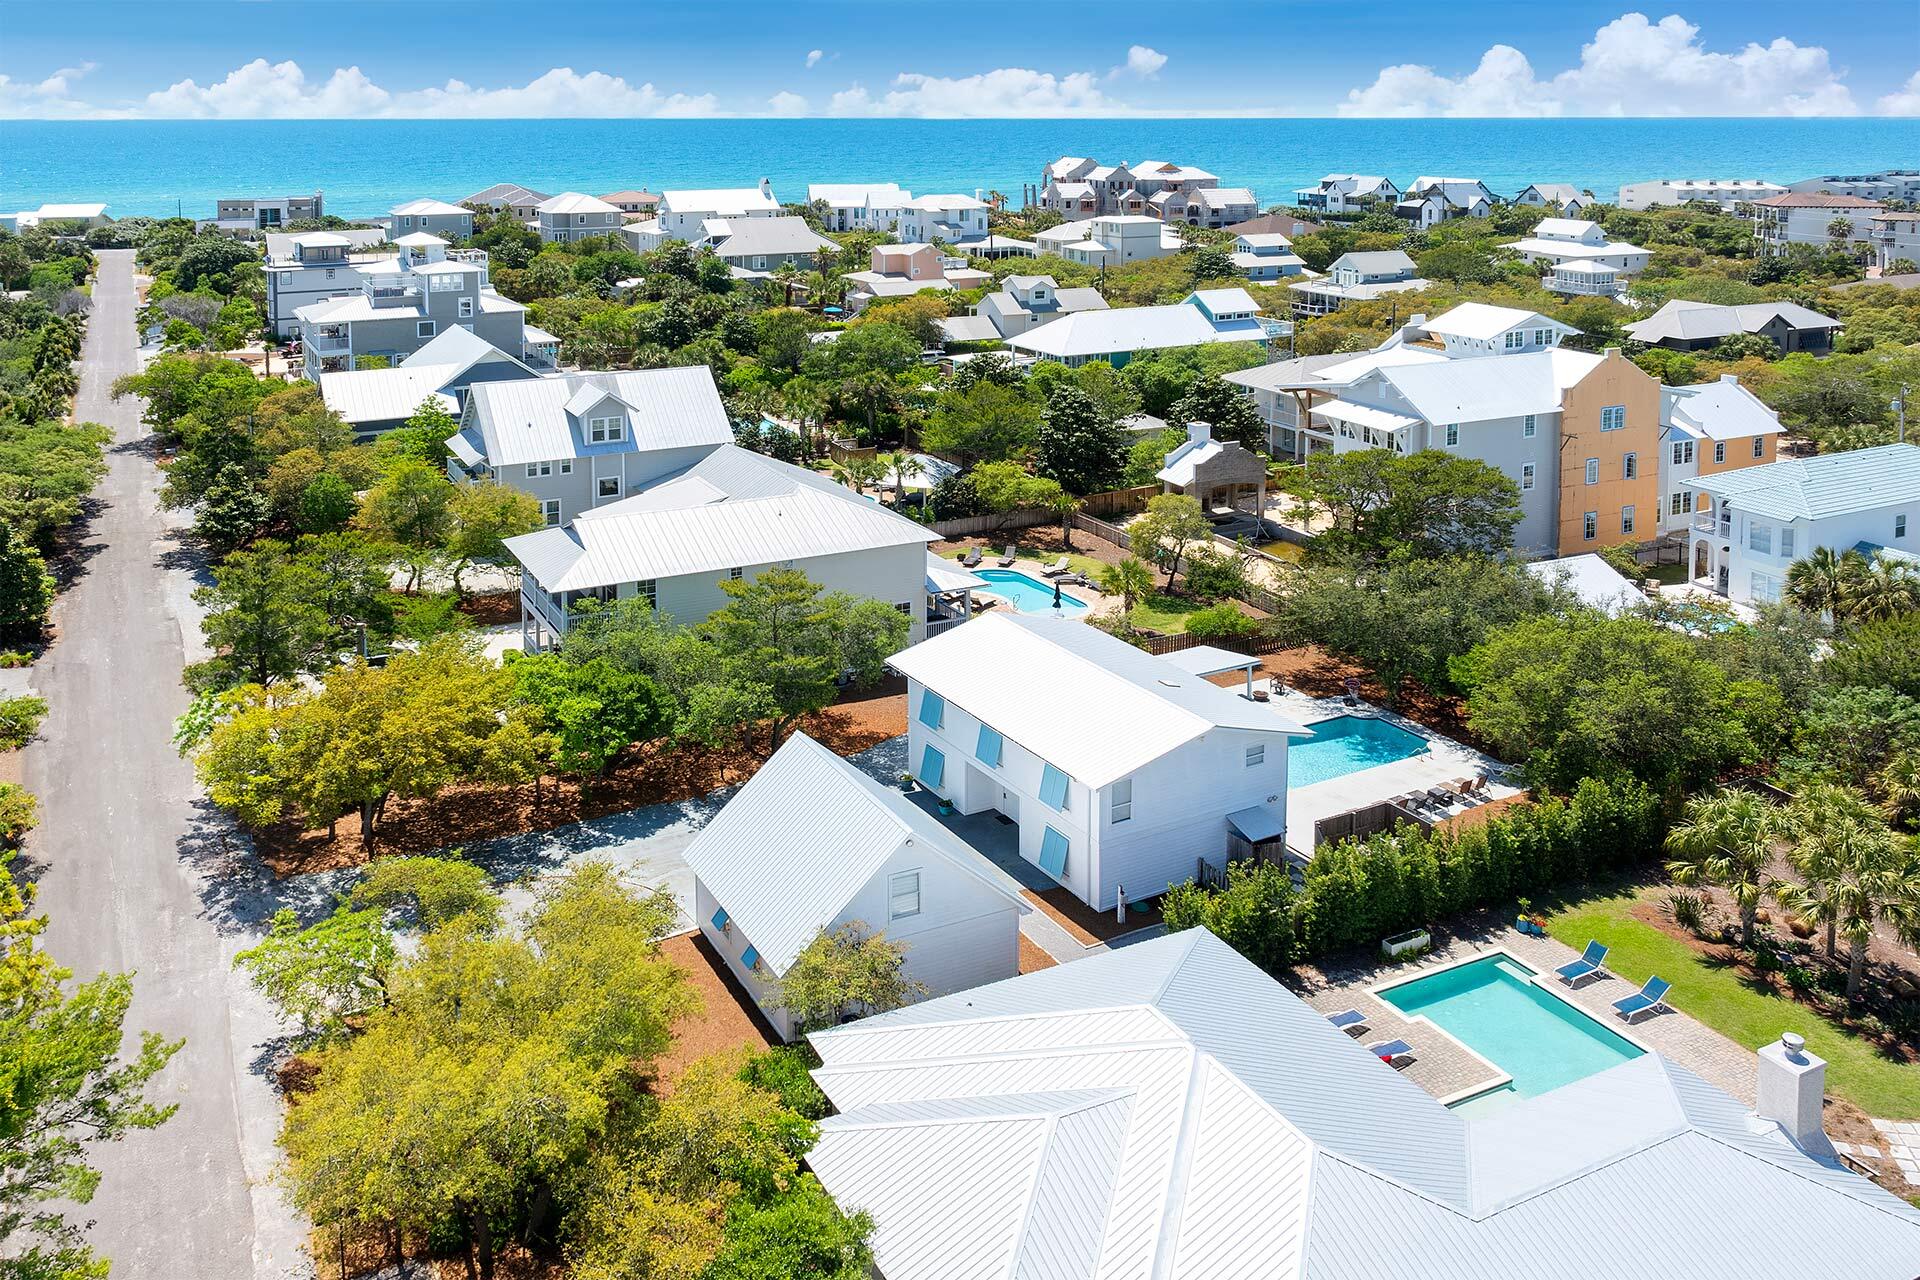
384 295
1708 525
327 342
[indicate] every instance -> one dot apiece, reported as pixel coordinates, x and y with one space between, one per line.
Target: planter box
1400 944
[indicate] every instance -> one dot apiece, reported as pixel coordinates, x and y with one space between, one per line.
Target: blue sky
265 58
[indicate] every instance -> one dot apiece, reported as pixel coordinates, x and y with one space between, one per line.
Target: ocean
365 167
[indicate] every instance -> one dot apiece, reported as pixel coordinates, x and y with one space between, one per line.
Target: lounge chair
1057 568
1351 1021
1593 961
1008 558
1645 1000
972 559
1395 1053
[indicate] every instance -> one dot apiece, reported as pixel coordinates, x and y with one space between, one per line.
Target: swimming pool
1492 1006
1028 595
1347 744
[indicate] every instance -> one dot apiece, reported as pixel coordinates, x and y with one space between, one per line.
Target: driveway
138 874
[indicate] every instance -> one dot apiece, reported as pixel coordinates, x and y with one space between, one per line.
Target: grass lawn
1719 998
1163 613
1668 575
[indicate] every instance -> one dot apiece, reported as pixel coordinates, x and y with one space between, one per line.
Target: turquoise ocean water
156 167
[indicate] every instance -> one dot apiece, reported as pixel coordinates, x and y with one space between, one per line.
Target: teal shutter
988 748
751 958
933 708
1053 854
1053 788
933 766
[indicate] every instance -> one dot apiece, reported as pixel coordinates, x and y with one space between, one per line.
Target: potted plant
906 782
1524 921
946 807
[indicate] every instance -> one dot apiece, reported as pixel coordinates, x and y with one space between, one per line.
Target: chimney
1791 1086
1730 377
1613 353
1199 432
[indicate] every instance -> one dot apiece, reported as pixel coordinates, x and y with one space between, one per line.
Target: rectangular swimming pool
1492 1006
1348 744
1027 595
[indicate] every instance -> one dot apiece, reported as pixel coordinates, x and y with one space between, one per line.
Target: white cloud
48 98
787 104
814 56
1632 67
1904 101
1143 62
1006 91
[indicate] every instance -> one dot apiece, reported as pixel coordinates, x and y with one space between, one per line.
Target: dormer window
604 430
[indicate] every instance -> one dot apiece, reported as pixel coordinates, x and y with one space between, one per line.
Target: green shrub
1687 909
1357 892
19 718
1214 574
19 812
11 658
785 1070
1223 619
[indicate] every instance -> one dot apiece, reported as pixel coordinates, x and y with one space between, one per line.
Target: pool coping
1535 978
1354 713
1067 591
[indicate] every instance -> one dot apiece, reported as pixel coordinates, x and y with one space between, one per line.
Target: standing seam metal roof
527 421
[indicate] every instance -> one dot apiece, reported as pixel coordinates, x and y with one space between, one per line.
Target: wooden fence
978 526
1120 502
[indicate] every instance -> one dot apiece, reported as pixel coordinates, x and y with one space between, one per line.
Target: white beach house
1120 769
1115 336
1167 1110
811 843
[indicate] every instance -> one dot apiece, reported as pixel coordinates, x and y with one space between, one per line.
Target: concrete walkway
138 874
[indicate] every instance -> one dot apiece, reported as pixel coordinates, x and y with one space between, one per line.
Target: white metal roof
1494 386
1597 584
1261 1142
848 195
1828 484
1567 229
764 237
1231 298
1209 660
1574 250
719 201
1127 329
1363 415
527 421
423 240
1483 321
1088 703
1682 319
1718 410
436 208
575 202
805 834
945 575
384 395
732 509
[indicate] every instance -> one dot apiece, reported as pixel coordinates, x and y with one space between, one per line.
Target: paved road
138 875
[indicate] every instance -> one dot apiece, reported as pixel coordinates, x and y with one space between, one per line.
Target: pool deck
1447 1069
1442 761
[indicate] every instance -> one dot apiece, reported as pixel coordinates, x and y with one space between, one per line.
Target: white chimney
1730 377
1199 432
1792 1085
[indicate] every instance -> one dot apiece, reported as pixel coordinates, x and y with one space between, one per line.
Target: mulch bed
728 1020
1083 922
1032 958
1043 539
1313 670
493 609
652 774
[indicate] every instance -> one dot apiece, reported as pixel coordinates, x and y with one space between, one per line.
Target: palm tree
1899 783
858 474
1130 579
1879 880
1881 590
905 466
1818 583
1825 823
1726 839
1064 506
806 404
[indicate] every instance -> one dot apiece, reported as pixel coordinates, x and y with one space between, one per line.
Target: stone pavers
1446 1067
1902 1141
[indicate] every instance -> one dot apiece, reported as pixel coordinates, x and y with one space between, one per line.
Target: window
1759 446
1526 476
1626 519
1053 788
1053 854
1613 417
1593 471
539 468
1630 466
933 766
1900 526
1590 525
1720 451
1760 538
601 430
736 573
566 467
751 956
721 921
1541 337
1528 428
1763 586
550 510
1683 502
466 308
424 329
903 895
1682 452
1123 800
1516 339
933 709
1256 756
987 749
1453 434
1786 541
609 486
649 590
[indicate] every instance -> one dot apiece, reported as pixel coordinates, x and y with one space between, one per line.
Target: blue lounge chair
1594 961
1645 1000
1351 1021
1395 1053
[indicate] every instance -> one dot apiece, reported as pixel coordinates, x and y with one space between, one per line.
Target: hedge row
1358 892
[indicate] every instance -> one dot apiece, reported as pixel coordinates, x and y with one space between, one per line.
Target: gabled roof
1223 197
850 195
631 197
1492 386
421 240
1596 584
1213 1126
804 836
1719 410
362 396
575 202
720 202
1566 228
1087 702
1484 321
764 237
506 193
1694 321
1127 329
1374 262
1225 301
1278 223
522 422
732 509
1555 192
1813 200
431 208
1829 484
